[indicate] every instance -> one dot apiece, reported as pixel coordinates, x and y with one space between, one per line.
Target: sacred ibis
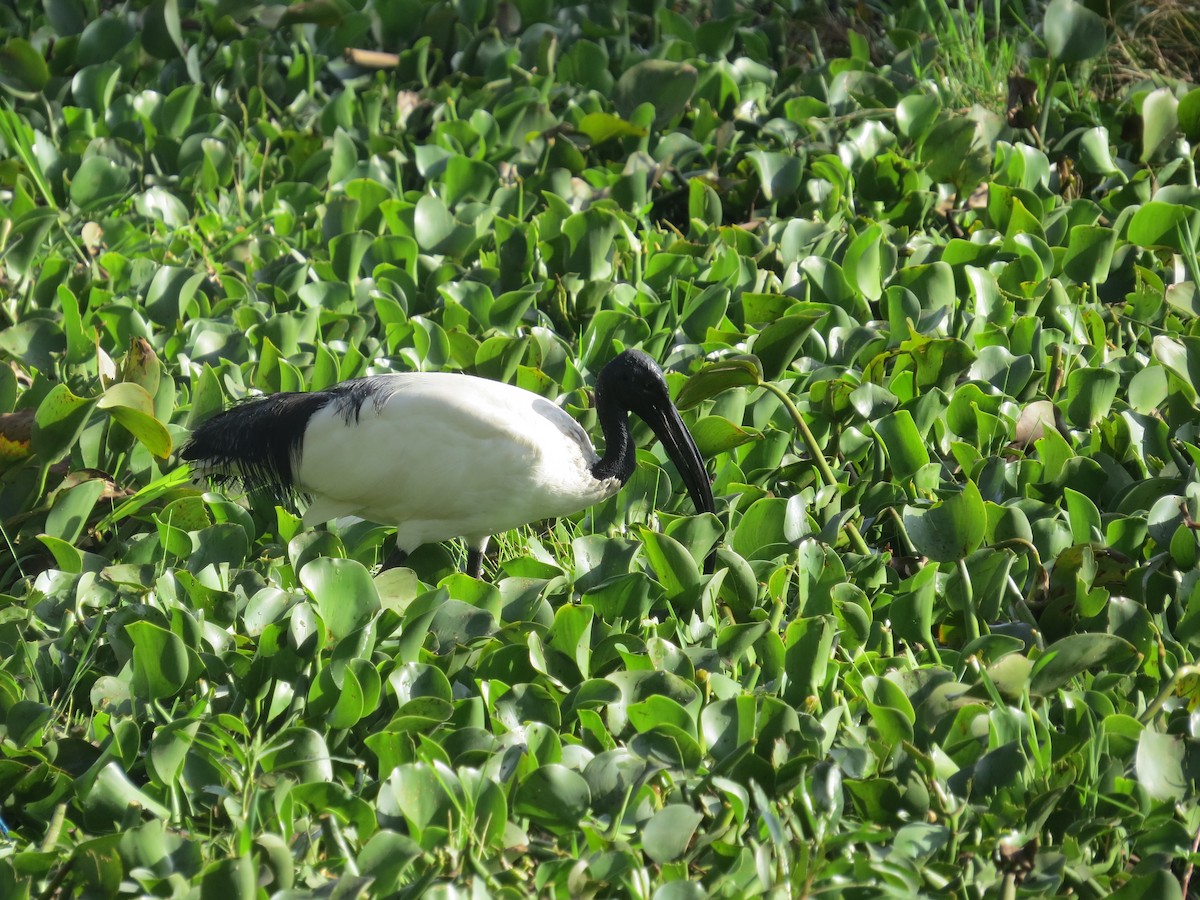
444 455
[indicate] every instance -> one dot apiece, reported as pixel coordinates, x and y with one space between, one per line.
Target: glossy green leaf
951 529
1073 32
665 84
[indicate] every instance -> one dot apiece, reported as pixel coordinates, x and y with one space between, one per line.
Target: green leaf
29 232
950 530
667 835
742 371
98 182
916 114
130 405
1089 254
112 794
344 593
60 418
673 566
1073 33
1160 766
1160 121
667 85
601 126
777 345
1075 654
553 796
905 448
1090 394
1158 224
160 661
23 70
779 174
71 510
1084 517
229 879
714 435
1188 114
162 30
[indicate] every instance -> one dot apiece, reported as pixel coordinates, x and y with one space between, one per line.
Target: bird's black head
634 383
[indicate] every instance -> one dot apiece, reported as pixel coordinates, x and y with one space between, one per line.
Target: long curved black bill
668 427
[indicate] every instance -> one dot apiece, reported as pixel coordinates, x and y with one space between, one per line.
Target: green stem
1168 689
1044 119
1190 252
970 612
810 441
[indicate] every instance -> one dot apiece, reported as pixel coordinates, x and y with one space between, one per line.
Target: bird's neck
619 458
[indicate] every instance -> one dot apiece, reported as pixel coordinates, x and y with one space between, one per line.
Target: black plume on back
256 442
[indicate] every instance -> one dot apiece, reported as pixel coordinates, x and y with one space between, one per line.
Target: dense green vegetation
923 276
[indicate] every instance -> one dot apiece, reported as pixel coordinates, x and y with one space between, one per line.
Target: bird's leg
394 559
475 558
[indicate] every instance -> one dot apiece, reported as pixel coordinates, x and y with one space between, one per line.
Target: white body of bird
445 455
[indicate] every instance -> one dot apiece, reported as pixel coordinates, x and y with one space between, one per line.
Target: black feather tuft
257 442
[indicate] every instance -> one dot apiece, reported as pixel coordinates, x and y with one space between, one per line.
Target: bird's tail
255 443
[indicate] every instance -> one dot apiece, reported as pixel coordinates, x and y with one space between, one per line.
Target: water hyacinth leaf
1084 517
129 404
947 147
98 182
162 33
160 661
916 114
60 418
669 831
1090 394
950 530
468 179
1073 33
23 70
1089 254
600 127
715 435
29 231
1160 765
704 203
905 448
777 345
169 749
1158 224
762 530
720 376
779 174
300 753
1148 388
673 566
66 557
863 264
665 84
384 857
344 593
1095 153
228 878
112 794
809 643
1188 113
1159 121
553 796
436 229
71 510
1075 654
